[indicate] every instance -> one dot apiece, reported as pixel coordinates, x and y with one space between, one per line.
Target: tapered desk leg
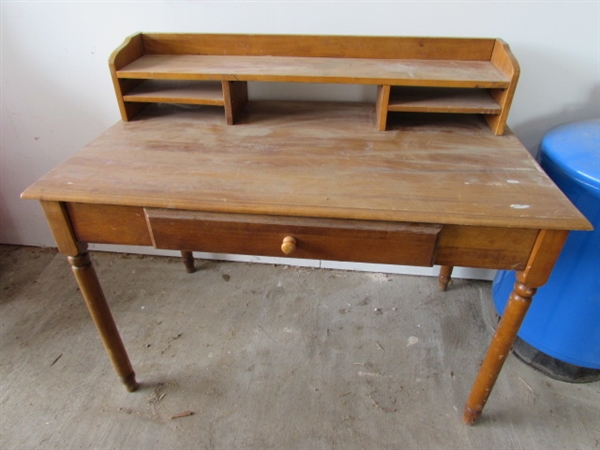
85 274
502 342
96 302
444 277
58 219
543 256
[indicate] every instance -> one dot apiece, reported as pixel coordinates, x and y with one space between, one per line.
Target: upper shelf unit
455 75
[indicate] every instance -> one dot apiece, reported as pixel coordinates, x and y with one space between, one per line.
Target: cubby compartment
442 100
177 91
437 75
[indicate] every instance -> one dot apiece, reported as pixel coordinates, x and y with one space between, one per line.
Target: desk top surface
314 160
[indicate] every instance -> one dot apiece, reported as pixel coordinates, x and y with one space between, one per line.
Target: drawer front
296 237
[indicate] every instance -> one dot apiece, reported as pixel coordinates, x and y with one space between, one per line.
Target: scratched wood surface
415 72
315 160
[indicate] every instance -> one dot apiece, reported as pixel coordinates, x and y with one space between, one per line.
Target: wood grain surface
482 74
315 160
322 46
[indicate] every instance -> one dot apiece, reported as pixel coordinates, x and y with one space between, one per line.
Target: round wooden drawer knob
288 245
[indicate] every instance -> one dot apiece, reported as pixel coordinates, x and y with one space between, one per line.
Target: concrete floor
266 357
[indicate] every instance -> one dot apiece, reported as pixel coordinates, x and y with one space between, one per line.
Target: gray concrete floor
266 357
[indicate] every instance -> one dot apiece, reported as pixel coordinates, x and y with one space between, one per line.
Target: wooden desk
437 190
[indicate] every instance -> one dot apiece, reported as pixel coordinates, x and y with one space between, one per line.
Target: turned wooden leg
96 302
539 266
188 261
444 277
502 342
60 224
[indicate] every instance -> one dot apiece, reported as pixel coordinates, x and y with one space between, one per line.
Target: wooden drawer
312 238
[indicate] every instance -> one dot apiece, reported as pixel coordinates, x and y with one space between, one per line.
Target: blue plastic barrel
564 319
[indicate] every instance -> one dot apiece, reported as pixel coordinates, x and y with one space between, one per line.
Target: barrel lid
575 148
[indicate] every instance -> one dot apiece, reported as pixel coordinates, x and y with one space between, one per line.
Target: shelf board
482 74
177 91
434 100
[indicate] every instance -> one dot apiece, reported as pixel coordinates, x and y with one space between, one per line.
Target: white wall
57 93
